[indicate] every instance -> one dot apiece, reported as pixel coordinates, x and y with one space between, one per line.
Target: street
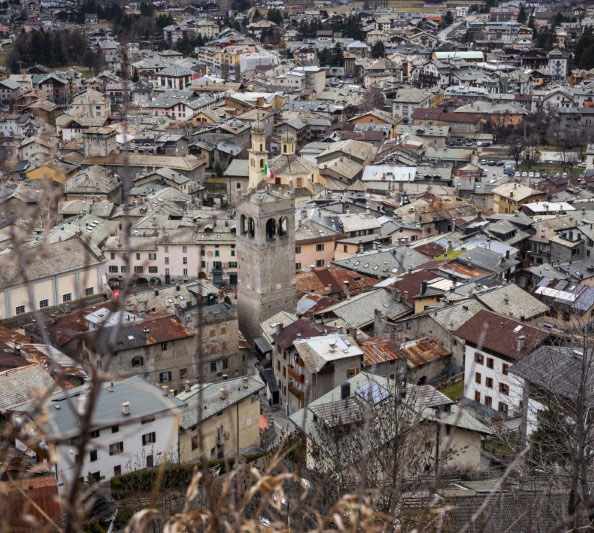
443 34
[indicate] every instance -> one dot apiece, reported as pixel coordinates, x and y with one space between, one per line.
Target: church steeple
288 143
258 155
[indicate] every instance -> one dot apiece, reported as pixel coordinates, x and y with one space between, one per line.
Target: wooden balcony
299 378
299 394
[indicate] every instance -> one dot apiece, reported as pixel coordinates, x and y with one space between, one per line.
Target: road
443 34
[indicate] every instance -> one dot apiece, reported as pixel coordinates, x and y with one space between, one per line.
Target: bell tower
266 277
258 155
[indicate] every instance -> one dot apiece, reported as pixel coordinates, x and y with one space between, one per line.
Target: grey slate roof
212 403
486 259
62 407
19 385
384 263
514 301
359 310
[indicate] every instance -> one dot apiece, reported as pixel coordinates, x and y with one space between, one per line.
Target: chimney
507 254
156 292
396 296
328 289
125 408
17 348
279 327
53 317
345 391
423 287
347 292
520 344
82 402
506 299
225 376
171 392
223 393
246 382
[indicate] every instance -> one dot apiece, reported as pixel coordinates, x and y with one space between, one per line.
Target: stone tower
258 155
266 257
288 144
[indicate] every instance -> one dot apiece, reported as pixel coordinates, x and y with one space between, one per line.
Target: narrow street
443 34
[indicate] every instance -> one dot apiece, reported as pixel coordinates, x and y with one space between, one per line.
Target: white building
135 425
493 343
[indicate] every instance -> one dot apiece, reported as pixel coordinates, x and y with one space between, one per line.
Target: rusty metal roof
417 352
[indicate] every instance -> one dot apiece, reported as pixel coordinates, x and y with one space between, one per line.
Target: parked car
530 174
500 163
483 162
491 163
524 174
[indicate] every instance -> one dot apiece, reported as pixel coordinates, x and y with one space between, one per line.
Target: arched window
270 228
251 227
261 163
242 225
261 148
282 226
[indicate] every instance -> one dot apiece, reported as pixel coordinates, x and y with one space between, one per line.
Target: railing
295 392
299 378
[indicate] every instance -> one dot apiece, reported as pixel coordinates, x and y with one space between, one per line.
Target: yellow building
221 419
54 274
53 170
509 197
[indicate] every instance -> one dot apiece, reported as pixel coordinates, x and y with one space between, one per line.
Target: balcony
297 393
299 378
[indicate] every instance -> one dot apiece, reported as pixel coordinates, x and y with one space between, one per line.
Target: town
296 266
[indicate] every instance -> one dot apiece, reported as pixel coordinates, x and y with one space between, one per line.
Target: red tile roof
411 283
499 334
334 276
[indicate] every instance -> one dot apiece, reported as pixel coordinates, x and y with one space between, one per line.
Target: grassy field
454 392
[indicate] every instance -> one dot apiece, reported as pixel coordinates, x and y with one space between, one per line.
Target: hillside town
349 245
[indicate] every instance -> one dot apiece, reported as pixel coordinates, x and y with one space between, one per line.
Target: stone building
266 258
99 142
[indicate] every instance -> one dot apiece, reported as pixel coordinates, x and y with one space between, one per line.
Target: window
504 369
138 257
96 476
112 255
115 429
93 455
166 249
116 448
164 377
502 408
478 358
138 270
213 366
20 309
149 438
124 269
184 249
166 260
202 264
477 378
67 297
489 362
152 257
238 185
43 304
345 248
352 372
297 249
117 470
164 346
319 247
477 396
225 364
213 349
223 330
504 389
185 272
489 382
232 264
153 269
137 361
113 268
213 332
95 434
194 443
232 252
89 291
488 401
297 266
217 253
183 373
149 461
319 262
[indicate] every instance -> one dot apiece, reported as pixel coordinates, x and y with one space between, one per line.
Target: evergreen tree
46 51
448 19
337 56
59 58
378 49
522 15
